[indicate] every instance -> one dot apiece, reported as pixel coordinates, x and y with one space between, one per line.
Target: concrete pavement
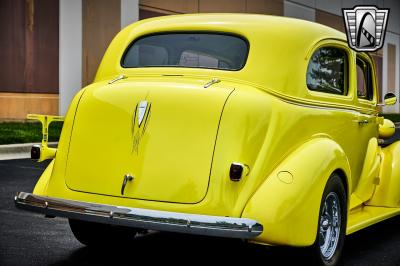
19 151
31 239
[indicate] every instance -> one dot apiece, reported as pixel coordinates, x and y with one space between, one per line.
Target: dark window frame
346 71
232 34
368 78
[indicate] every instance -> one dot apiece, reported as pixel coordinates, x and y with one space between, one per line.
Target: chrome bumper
140 218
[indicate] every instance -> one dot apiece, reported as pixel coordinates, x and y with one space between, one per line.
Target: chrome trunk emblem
140 120
142 111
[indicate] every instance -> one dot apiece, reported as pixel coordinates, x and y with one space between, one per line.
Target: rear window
198 50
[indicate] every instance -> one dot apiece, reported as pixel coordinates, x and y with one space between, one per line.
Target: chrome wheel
329 226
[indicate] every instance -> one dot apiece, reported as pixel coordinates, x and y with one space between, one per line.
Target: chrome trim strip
140 218
320 104
213 81
333 108
117 78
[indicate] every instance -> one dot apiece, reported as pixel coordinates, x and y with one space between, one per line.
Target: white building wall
70 45
70 52
395 40
129 12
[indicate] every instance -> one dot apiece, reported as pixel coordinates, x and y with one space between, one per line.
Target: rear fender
44 183
387 193
41 185
287 203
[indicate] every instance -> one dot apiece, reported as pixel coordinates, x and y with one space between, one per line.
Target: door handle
363 122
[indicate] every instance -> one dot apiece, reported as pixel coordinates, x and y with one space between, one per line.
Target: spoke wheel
332 222
329 226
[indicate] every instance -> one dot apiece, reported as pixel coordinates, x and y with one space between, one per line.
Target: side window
364 80
327 71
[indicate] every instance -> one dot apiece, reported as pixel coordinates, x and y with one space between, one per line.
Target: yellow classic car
255 127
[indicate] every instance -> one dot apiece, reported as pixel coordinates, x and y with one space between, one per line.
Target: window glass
195 59
327 71
364 80
200 50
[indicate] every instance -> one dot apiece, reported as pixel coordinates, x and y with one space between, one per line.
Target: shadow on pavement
183 250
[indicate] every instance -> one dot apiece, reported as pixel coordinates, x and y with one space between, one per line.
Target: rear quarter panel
288 208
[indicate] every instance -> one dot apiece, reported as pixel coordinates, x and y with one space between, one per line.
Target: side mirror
389 99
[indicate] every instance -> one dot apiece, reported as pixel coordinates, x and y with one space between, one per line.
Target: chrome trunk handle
127 177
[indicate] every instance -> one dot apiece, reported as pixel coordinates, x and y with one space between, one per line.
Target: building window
327 71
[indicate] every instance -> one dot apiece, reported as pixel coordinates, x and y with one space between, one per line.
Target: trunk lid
161 132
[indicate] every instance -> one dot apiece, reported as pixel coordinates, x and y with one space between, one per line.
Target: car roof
278 47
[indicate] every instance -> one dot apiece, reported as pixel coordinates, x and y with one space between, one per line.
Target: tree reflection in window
326 71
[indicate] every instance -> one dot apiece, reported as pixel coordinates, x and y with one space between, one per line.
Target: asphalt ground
30 239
